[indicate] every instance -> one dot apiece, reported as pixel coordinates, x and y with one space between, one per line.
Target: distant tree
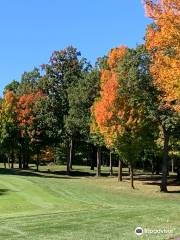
81 97
37 124
28 82
26 119
162 42
13 86
8 126
121 111
66 68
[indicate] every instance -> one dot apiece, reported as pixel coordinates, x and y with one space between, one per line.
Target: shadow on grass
74 174
4 191
155 180
33 173
146 178
175 191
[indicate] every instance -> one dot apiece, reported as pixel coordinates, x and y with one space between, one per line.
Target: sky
30 30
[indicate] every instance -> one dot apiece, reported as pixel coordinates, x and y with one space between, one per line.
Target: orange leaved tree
120 111
8 126
27 121
163 43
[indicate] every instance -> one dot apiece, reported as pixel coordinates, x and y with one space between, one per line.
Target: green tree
66 68
81 97
28 82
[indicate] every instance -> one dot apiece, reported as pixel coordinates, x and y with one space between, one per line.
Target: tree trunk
92 156
20 159
102 160
152 167
98 174
37 163
178 173
92 166
26 158
72 153
172 165
132 175
4 159
68 160
69 156
129 169
119 171
8 161
110 164
12 159
157 166
23 160
163 187
143 166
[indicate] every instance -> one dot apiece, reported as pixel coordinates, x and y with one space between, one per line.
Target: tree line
126 105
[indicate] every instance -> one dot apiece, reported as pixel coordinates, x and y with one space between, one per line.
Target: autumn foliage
163 42
25 108
105 109
26 117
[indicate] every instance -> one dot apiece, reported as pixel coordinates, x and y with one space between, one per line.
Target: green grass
51 206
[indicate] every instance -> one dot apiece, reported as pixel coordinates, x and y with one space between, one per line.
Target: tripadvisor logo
139 231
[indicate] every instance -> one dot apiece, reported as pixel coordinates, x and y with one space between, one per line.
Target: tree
102 108
81 97
43 129
121 110
29 82
162 42
13 86
37 124
8 125
66 68
24 119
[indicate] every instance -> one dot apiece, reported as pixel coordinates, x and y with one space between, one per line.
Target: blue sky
30 30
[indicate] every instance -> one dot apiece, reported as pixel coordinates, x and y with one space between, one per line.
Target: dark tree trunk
8 161
92 156
172 165
178 173
12 159
23 160
92 166
37 163
69 156
106 162
119 171
72 153
102 159
152 167
157 167
143 166
12 163
129 169
132 175
26 158
68 160
20 159
110 164
163 187
4 159
98 174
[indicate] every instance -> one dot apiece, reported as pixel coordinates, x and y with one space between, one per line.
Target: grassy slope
53 207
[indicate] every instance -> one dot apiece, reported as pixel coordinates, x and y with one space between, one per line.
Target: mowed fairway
50 206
